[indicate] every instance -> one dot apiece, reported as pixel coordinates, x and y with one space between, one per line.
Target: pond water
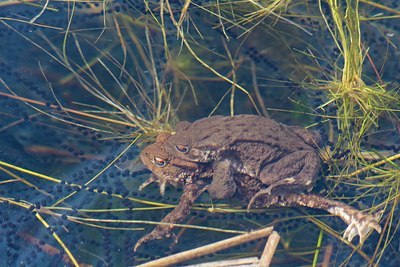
80 81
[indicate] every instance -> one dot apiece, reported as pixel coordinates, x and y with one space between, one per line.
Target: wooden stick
269 250
247 262
209 249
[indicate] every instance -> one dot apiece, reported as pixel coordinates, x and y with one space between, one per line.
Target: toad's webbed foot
360 223
159 232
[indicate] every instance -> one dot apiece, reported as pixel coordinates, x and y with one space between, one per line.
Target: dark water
123 45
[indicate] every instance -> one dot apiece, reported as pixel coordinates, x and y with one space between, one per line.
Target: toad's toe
159 232
266 191
361 224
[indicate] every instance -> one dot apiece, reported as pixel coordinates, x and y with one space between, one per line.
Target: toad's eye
159 162
183 149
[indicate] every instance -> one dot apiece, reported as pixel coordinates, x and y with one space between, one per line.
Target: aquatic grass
88 216
354 100
247 15
381 184
26 205
189 44
244 15
380 6
317 251
145 124
92 221
50 210
61 200
381 178
359 106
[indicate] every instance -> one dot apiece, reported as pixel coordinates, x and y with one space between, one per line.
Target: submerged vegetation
84 84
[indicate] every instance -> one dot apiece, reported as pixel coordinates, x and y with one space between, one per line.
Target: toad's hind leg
296 171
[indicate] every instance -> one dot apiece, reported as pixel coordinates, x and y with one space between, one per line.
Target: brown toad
282 157
220 155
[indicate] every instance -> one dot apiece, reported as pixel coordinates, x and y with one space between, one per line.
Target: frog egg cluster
20 226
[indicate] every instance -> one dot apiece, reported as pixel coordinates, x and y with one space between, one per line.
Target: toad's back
220 132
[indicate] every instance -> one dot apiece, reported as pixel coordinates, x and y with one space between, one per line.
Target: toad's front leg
223 184
190 193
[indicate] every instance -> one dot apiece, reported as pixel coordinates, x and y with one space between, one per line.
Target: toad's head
165 167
